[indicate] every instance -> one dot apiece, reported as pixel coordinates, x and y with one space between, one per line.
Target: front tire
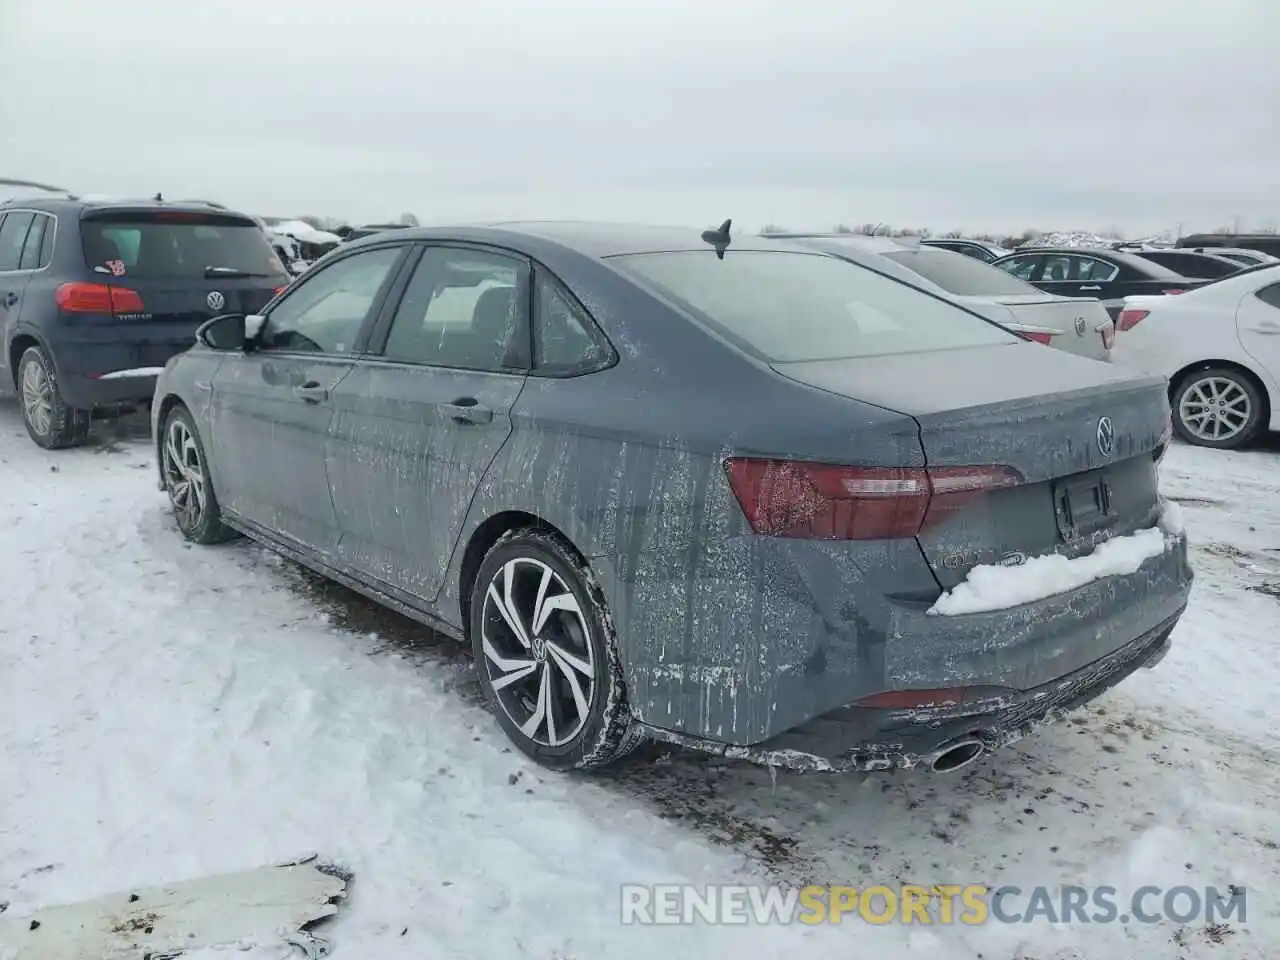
547 654
49 420
186 479
1218 407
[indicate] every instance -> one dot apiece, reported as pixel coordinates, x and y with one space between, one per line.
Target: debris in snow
989 587
268 906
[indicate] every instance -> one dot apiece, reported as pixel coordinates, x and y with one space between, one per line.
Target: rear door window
565 340
1270 295
785 306
462 308
177 246
13 236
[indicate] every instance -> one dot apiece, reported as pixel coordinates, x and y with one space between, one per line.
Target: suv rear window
176 245
961 275
787 306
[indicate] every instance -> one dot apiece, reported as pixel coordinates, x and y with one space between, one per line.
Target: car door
270 408
1258 325
425 411
14 227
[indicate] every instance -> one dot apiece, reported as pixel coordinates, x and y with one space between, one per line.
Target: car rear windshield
788 306
961 275
176 246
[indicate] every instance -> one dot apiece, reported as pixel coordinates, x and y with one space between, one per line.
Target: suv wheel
50 422
547 654
186 480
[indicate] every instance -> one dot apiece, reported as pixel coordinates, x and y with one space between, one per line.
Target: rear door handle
311 392
1091 288
467 410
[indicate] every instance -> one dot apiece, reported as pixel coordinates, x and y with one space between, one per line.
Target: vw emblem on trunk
1080 325
216 301
1106 436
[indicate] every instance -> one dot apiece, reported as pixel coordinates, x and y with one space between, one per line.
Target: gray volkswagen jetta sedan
707 489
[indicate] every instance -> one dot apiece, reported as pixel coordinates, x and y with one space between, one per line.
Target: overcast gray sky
975 114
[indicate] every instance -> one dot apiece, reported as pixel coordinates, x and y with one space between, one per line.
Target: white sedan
1219 345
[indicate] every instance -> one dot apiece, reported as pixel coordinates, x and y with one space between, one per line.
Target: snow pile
989 587
1074 238
304 232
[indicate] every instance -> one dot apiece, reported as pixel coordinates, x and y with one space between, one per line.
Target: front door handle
311 392
1091 288
467 410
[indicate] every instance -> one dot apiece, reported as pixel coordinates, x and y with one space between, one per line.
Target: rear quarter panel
718 629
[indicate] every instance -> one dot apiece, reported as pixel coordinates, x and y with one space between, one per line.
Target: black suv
96 296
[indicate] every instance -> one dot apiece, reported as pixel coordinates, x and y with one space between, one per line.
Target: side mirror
226 332
252 327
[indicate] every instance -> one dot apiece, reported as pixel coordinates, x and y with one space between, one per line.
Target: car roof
592 239
65 203
859 241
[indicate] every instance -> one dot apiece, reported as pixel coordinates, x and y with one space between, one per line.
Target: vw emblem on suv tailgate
1106 437
216 301
1080 326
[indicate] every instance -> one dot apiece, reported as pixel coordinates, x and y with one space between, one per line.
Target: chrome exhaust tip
957 755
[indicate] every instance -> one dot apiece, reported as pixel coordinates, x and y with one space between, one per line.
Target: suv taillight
97 298
818 501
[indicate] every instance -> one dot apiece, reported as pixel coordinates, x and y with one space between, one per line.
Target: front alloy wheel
184 475
186 479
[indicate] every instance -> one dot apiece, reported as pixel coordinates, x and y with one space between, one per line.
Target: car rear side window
786 306
176 246
565 341
13 236
32 252
1270 295
961 275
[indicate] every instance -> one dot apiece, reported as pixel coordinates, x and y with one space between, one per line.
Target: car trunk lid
1083 437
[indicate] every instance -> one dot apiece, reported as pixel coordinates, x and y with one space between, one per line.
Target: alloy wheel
37 397
1215 408
537 652
184 474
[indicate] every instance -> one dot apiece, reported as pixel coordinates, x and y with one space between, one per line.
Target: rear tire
1221 401
547 654
50 421
186 480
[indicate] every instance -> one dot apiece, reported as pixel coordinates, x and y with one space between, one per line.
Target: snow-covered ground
171 712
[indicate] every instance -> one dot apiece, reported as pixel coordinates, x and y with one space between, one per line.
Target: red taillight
816 501
1130 318
935 697
97 298
1172 293
1045 338
1108 336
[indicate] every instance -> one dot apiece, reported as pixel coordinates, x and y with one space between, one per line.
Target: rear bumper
852 738
793 631
98 372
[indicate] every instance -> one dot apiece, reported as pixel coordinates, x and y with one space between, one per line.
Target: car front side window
326 311
1024 268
